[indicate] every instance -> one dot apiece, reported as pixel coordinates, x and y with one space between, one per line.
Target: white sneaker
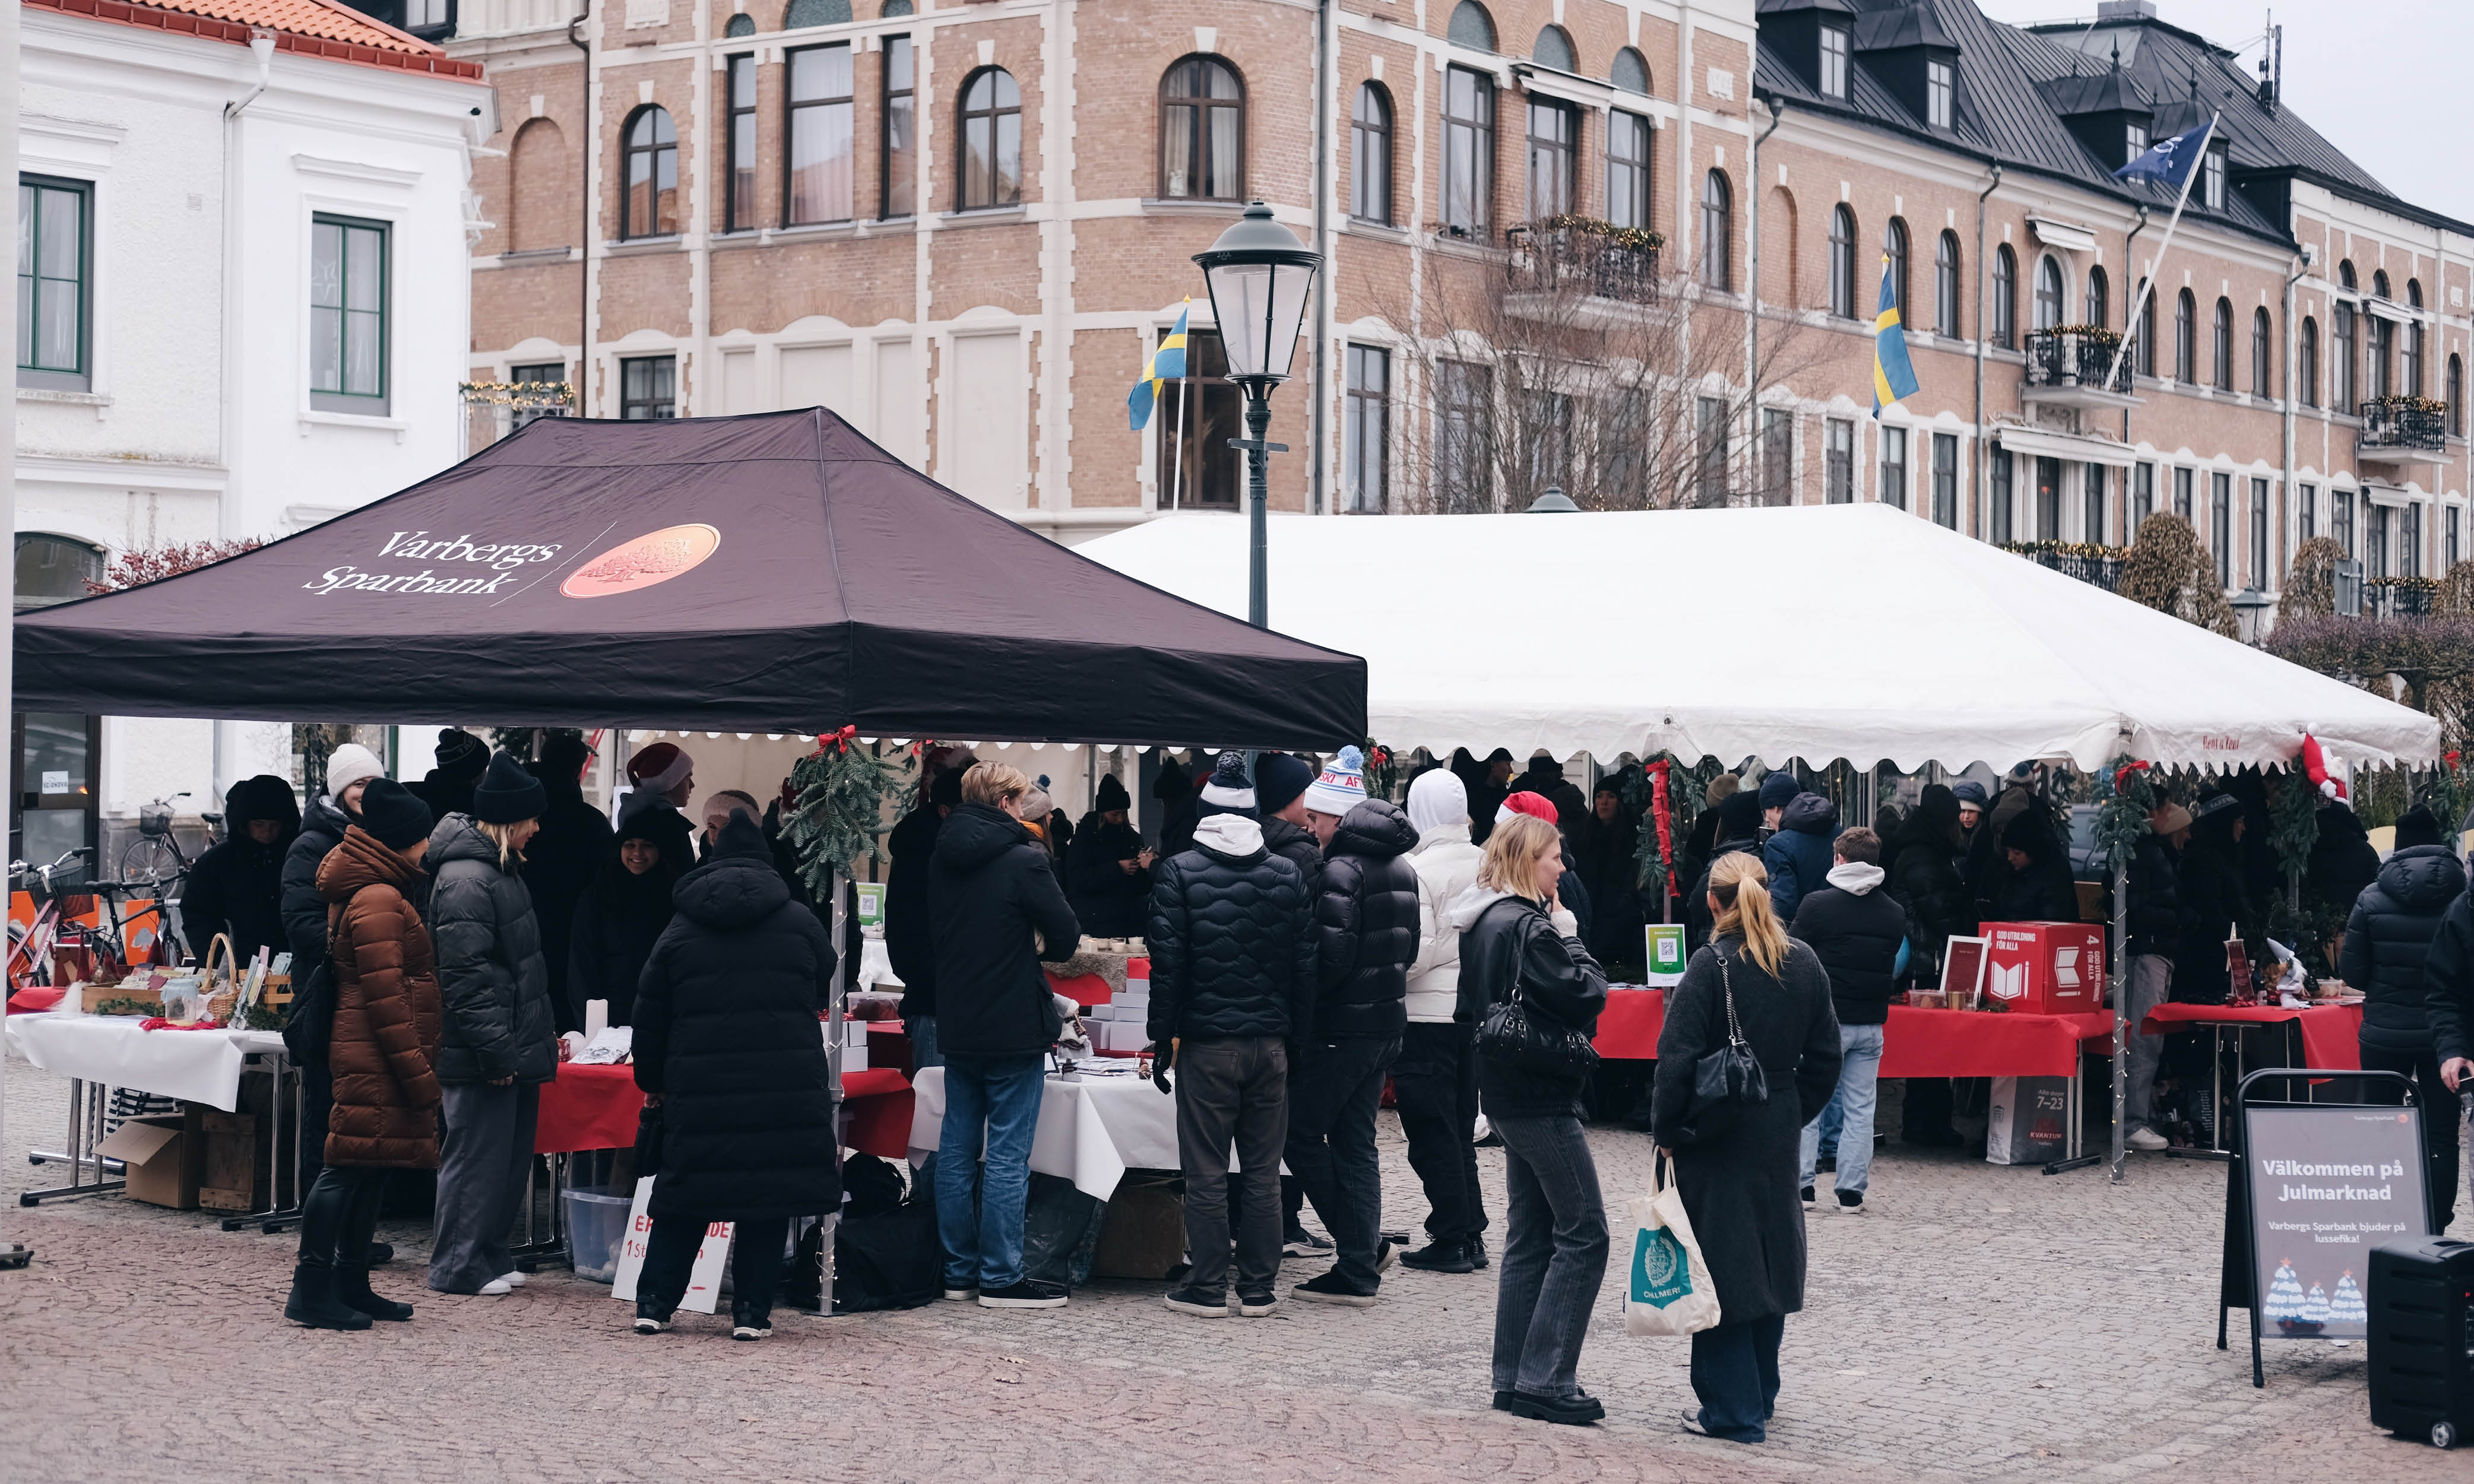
495 1288
2145 1141
512 1279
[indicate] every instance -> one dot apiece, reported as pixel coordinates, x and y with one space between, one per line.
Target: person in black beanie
562 861
623 911
1279 797
448 787
1109 875
1739 829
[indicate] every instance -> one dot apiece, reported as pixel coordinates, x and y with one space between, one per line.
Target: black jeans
1232 1091
1554 1255
339 1213
1434 1086
755 1265
317 1101
1331 1146
2442 1113
1735 1374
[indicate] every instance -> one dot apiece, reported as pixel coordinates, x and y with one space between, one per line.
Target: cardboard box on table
2045 968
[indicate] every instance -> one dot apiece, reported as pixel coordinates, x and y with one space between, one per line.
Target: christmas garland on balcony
2083 550
2098 333
517 394
2404 584
1640 239
2402 403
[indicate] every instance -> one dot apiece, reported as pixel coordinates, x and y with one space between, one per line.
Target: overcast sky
2384 80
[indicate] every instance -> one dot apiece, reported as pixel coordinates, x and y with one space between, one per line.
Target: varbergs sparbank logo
505 560
643 562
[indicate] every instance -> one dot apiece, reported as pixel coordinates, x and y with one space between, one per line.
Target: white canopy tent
1815 632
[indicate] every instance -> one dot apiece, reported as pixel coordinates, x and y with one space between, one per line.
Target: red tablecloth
596 1107
1085 990
1917 1043
2331 1033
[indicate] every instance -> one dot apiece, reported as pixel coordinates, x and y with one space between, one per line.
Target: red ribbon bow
2122 774
840 738
1663 813
2449 758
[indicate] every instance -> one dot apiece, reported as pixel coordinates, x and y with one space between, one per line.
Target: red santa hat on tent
2314 766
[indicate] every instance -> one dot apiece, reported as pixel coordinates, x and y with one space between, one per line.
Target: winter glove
1161 1061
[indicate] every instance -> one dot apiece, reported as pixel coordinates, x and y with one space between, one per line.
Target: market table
595 1107
1093 1126
2331 1041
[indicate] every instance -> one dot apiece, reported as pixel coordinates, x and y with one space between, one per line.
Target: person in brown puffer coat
382 1056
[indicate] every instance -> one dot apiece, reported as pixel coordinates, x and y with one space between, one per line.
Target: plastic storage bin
596 1226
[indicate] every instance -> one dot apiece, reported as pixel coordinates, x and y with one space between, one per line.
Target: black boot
352 1291
313 1304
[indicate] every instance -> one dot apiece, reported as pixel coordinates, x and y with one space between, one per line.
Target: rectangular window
2143 497
538 375
1833 61
1197 469
1840 478
2409 542
53 283
1368 427
1468 151
2182 480
1466 395
2048 498
2306 511
2341 518
1551 153
2221 525
347 315
1945 479
2003 497
2259 534
901 184
1628 170
1939 88
738 212
2092 520
819 184
1711 415
647 388
2213 163
2375 538
1778 457
1893 490
2447 540
2134 142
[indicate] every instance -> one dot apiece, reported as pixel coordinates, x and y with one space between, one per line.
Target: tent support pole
838 925
2122 1029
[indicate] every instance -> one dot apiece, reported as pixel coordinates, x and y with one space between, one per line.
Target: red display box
2045 968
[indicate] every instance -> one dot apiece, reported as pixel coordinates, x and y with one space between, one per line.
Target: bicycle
32 946
156 854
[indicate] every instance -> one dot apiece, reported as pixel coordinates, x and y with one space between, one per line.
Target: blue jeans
1000 1095
1850 1113
1554 1255
922 1031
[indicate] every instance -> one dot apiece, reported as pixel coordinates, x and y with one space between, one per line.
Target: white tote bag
1666 1288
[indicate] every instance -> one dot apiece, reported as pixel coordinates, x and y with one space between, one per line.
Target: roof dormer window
2213 180
2135 142
1941 86
1834 49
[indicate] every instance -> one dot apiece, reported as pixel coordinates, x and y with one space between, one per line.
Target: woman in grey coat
500 1041
1740 1174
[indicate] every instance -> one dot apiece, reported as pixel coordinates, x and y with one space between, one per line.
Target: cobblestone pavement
1980 1323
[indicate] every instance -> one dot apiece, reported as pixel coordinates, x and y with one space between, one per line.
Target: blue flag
1893 377
1167 364
2171 160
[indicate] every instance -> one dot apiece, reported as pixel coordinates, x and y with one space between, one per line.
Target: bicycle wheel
150 858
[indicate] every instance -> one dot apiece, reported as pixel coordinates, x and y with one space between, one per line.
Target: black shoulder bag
1531 1040
1727 1082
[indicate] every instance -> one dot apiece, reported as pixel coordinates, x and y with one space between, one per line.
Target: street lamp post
1259 275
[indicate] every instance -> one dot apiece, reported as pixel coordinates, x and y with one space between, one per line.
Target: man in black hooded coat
448 787
1738 832
909 938
2038 887
562 858
1107 869
621 916
237 887
2343 862
1545 779
2213 905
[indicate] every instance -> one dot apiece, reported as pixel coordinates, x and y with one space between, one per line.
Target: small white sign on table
704 1279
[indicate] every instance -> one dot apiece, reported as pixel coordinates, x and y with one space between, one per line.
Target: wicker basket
221 1001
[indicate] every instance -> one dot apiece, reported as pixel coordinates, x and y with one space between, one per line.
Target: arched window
2146 331
1630 72
2379 284
2049 292
991 139
2224 345
1202 132
1717 231
2005 298
1471 26
741 24
815 13
2345 276
2413 293
1554 49
2263 354
2340 358
538 175
2186 339
1842 261
649 204
1370 155
2455 392
2306 359
54 569
1945 285
2099 306
1893 247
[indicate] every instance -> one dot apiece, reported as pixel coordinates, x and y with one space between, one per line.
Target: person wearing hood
995 911
1174 791
447 787
1610 862
1108 872
1738 831
1971 805
909 934
2038 886
1232 983
349 770
2209 889
2341 864
621 915
236 889
1434 1081
1518 944
1798 855
1366 937
2155 913
1857 931
1700 843
726 1043
500 1040
2388 945
1545 779
564 858
382 1053
1988 870
1939 907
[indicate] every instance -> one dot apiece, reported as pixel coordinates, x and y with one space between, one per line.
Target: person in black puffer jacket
627 906
1108 870
2155 913
237 887
726 1042
348 772
1518 941
1280 783
1940 906
500 1041
1856 930
1232 979
2388 942
560 861
1365 937
2214 908
909 936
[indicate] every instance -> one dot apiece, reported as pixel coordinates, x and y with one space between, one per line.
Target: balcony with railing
2074 366
1573 270
2399 598
2097 566
2404 429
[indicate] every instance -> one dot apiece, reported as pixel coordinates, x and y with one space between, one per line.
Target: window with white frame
347 315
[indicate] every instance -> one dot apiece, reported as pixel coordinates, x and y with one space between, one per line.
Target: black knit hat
649 817
460 753
508 794
1278 779
1739 814
394 815
1111 794
947 789
2417 826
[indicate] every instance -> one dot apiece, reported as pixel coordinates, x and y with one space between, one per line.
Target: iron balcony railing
2098 567
2405 423
1571 260
2397 598
2075 358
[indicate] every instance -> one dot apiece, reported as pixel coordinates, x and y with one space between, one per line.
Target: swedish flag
1167 364
1893 377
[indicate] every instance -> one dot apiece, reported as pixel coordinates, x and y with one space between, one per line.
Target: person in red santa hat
664 768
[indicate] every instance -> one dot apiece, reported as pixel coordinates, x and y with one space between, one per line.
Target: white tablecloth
199 1066
1091 1131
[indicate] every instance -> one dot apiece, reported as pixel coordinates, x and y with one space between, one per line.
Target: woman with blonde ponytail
1740 1176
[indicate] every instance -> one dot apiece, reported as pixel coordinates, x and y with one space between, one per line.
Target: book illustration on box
2347 1307
2288 1305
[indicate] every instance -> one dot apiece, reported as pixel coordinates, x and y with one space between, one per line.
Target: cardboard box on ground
202 1155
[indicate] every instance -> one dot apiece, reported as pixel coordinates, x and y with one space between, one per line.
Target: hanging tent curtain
776 573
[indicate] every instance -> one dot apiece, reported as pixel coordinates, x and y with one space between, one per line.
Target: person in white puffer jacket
1435 1080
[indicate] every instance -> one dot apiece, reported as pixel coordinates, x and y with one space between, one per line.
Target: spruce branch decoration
839 817
2125 796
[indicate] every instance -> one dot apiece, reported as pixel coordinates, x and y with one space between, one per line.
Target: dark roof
2017 85
1894 30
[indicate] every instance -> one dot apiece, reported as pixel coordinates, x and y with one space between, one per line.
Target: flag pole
1176 446
2147 281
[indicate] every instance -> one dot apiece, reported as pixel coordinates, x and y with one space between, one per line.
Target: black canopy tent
773 572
